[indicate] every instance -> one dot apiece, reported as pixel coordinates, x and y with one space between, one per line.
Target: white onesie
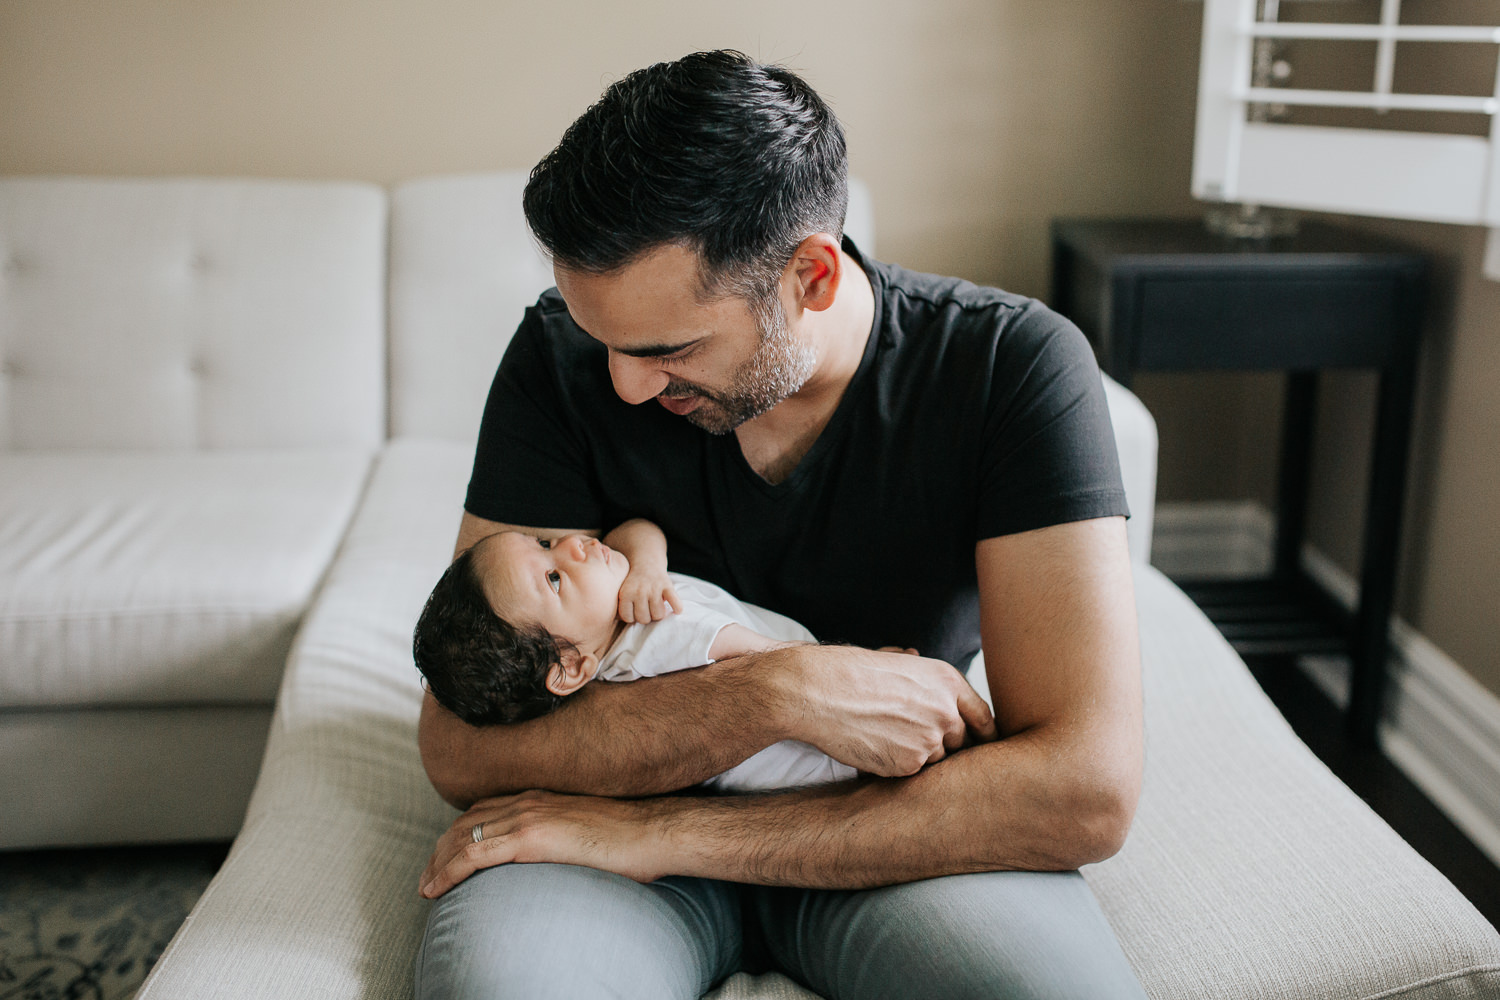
682 640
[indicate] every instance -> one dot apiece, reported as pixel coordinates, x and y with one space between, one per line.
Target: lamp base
1250 222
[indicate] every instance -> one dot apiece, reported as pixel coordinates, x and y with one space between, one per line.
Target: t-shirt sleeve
531 463
1048 452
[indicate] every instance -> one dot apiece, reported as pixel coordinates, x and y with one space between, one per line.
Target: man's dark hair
735 160
478 666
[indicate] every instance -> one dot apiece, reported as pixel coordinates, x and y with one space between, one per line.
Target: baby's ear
572 672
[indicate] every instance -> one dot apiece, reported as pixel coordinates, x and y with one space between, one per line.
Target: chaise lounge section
191 393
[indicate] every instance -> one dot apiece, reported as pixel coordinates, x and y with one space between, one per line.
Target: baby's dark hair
479 666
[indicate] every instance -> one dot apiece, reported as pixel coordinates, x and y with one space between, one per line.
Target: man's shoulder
914 300
946 292
550 303
549 344
549 321
960 322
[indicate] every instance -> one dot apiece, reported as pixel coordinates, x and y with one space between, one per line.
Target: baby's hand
897 649
645 596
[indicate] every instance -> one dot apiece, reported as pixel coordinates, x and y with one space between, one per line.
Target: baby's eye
545 543
554 579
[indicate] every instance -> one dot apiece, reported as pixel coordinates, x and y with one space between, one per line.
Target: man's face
569 586
717 363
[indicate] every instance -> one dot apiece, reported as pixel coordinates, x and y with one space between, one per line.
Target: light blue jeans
544 931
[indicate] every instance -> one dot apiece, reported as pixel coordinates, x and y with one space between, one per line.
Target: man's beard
779 367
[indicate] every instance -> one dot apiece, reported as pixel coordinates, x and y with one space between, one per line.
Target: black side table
1168 296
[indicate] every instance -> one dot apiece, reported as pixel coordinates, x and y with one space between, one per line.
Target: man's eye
554 579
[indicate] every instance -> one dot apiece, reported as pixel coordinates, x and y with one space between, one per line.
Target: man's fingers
976 714
487 853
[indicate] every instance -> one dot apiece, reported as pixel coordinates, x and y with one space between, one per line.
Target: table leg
1295 475
1370 642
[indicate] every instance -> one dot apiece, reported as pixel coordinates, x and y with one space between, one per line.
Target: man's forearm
884 713
1028 802
647 737
1042 801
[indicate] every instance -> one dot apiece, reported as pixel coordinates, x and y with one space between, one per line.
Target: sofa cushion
318 897
190 313
162 577
1252 871
463 270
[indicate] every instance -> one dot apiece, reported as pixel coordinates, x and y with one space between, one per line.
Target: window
1433 171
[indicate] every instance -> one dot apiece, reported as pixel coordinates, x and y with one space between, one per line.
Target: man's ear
817 267
572 672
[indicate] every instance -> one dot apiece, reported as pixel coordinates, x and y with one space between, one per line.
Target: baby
518 623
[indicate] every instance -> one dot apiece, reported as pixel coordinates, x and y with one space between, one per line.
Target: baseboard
1212 539
1441 727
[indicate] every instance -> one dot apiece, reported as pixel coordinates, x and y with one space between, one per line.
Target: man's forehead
650 307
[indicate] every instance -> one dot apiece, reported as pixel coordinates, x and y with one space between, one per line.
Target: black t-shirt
974 413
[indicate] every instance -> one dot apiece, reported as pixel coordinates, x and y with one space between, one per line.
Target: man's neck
776 441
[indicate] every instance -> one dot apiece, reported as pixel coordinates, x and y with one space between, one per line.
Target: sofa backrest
191 313
464 267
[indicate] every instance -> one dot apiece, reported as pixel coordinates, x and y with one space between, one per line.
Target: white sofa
191 392
156 554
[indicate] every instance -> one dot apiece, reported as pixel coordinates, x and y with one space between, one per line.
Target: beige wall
975 121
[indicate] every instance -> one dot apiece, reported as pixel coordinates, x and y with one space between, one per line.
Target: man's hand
647 595
537 826
889 713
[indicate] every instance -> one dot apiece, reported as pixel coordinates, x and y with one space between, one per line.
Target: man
893 459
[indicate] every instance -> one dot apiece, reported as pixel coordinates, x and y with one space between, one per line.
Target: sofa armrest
1135 437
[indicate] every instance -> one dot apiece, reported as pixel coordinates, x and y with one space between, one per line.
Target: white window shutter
1406 175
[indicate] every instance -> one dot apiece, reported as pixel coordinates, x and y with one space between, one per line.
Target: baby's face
570 587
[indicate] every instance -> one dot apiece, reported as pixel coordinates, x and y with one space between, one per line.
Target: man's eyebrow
649 350
658 350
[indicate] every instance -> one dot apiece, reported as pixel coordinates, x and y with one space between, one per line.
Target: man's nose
636 379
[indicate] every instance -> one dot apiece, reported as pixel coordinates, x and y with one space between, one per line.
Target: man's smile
680 405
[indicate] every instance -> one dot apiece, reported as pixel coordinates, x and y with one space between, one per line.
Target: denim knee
562 931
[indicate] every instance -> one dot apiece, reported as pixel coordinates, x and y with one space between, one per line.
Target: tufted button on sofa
221 456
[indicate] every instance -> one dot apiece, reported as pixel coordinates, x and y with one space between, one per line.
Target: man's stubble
779 367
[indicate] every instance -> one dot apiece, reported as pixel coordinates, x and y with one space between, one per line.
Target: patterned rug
89 924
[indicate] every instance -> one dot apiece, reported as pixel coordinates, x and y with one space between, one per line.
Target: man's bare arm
1057 791
884 713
